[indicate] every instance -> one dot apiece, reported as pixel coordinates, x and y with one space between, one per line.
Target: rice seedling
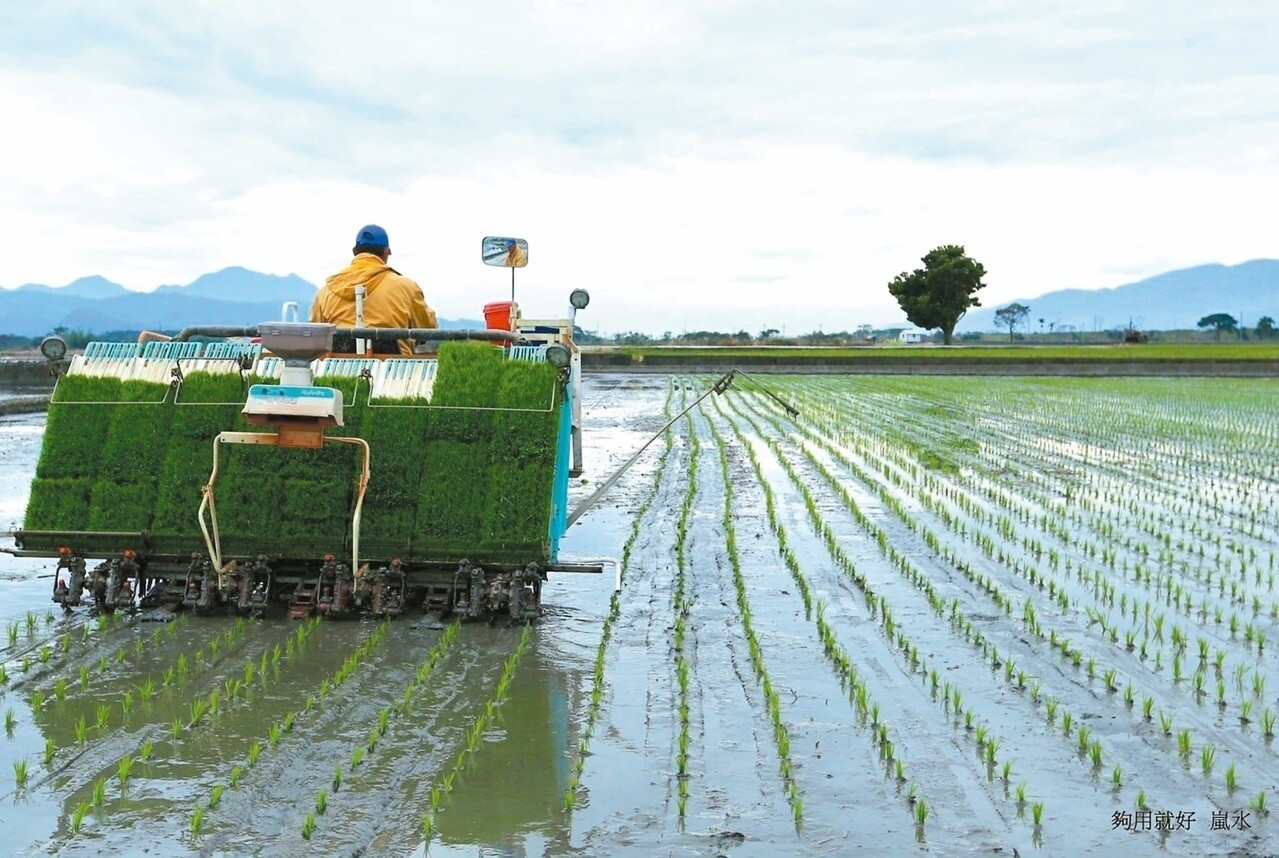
1165 723
50 748
1021 793
147 749
1037 813
10 720
1231 778
337 778
215 796
1259 804
255 751
1183 742
81 730
321 802
20 772
237 772
77 817
921 812
1141 798
1208 755
99 792
123 769
1117 777
196 825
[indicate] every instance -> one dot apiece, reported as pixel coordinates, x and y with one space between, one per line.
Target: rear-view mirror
504 252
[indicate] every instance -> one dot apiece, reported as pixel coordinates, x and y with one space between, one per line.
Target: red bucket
499 315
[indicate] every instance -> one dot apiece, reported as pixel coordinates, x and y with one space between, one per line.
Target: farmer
391 300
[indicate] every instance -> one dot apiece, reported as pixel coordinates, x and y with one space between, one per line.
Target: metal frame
213 540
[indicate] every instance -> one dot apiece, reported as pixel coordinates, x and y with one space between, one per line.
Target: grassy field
1149 352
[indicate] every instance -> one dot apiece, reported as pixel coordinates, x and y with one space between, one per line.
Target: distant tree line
771 337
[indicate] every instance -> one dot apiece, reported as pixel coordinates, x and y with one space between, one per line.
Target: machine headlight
53 348
579 298
558 355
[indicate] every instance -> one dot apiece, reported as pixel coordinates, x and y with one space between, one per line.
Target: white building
914 335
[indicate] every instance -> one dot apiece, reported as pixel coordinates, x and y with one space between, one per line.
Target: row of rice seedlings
286 725
1094 753
475 735
381 725
1179 639
614 611
987 747
1004 496
35 659
919 665
1094 748
682 605
1091 751
1179 643
197 706
169 679
1109 631
1127 475
1174 597
781 735
20 646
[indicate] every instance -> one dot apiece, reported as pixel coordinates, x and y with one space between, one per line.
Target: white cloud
707 164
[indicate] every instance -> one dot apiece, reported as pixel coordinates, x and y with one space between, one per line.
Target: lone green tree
1011 316
1265 328
938 295
1220 323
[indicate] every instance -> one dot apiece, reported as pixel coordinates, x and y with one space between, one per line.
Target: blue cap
372 235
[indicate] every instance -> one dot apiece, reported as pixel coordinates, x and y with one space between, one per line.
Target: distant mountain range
1176 300
238 296
232 296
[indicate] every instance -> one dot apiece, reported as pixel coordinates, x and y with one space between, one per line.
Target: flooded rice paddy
937 616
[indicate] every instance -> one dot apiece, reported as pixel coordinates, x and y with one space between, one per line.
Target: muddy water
827 789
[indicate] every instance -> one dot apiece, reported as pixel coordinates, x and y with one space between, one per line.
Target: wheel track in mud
638 728
615 607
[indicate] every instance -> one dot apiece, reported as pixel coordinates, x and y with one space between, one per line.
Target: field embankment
1244 360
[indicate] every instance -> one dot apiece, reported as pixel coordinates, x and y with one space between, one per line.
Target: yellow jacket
391 300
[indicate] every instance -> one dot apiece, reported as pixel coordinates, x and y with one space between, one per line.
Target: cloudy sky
700 164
